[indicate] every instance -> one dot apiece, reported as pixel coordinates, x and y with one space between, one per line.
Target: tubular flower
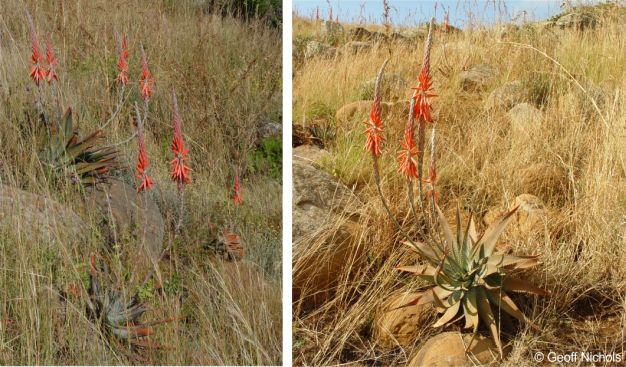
142 162
51 61
408 165
423 92
447 21
374 131
145 82
237 197
180 172
37 70
122 64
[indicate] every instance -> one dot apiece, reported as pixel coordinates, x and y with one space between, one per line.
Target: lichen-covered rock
317 49
356 47
525 119
477 77
310 153
506 96
331 29
393 87
37 218
395 326
579 20
448 350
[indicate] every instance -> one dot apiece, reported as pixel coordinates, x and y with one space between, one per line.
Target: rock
310 153
529 223
393 87
577 20
129 215
525 119
402 326
324 239
38 219
362 34
269 129
506 96
448 350
547 181
356 47
477 77
317 49
331 29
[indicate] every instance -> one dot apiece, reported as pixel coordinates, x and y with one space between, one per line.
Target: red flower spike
423 93
237 197
447 21
51 61
145 82
142 162
122 64
180 172
375 129
37 70
406 158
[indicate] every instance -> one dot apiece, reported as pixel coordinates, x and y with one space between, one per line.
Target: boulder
129 215
529 223
506 96
393 87
310 153
525 118
324 237
393 327
477 77
331 29
448 350
38 219
269 129
362 34
316 49
356 47
576 20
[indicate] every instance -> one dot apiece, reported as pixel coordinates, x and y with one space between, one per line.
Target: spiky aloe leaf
468 279
81 158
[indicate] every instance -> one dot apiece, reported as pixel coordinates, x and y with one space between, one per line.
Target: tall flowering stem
422 108
146 182
121 79
180 171
52 62
37 70
146 82
237 192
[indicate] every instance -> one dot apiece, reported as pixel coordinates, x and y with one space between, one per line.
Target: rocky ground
522 121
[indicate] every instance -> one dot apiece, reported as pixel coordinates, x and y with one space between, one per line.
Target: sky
412 12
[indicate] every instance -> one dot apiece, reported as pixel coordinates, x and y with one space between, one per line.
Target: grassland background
227 75
481 161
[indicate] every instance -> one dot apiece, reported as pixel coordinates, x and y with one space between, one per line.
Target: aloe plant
79 159
469 278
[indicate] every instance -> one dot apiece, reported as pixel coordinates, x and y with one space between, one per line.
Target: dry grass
479 162
227 77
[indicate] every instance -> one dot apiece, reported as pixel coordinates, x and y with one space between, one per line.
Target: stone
393 87
324 235
310 153
331 29
529 223
129 215
506 96
477 77
269 129
576 20
448 350
356 47
393 327
317 49
362 34
525 118
38 219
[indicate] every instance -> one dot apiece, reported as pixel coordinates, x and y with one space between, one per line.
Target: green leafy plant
268 157
469 279
79 159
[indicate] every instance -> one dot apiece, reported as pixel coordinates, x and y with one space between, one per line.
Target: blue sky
411 12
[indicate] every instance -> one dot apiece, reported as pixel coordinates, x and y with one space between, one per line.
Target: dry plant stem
40 109
118 108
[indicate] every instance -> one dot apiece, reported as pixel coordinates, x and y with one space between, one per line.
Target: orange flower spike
423 93
37 70
406 158
374 131
180 172
142 162
122 64
51 61
238 197
145 82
